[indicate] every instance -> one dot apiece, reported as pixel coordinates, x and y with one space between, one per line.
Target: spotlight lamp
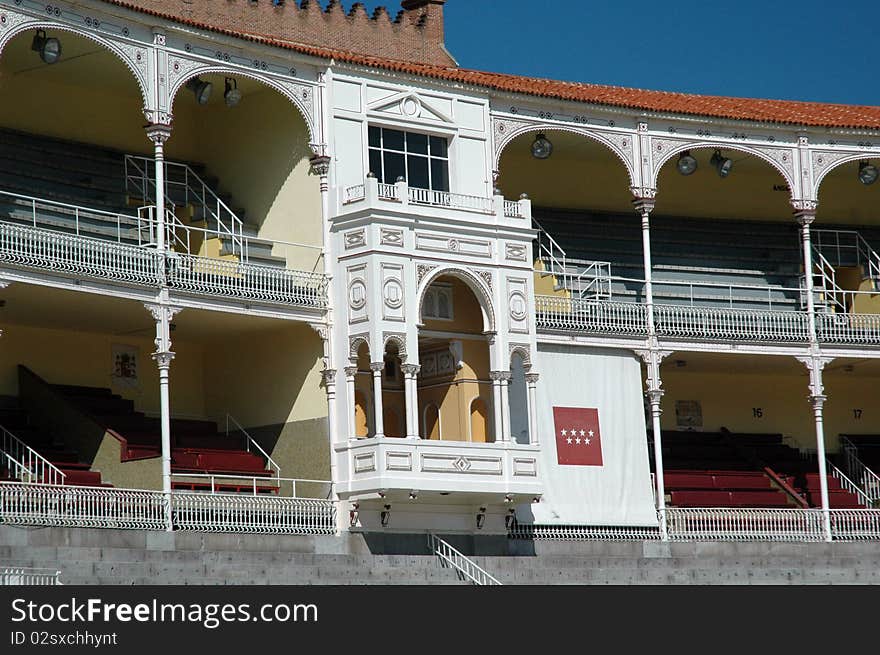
510 519
232 96
201 90
48 47
386 516
481 518
687 163
868 172
721 164
541 147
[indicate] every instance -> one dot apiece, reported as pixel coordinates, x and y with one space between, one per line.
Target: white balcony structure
445 467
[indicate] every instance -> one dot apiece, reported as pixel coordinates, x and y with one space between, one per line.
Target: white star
574 430
564 432
591 433
568 440
582 433
587 441
578 440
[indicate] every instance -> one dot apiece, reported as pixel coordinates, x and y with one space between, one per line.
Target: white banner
617 492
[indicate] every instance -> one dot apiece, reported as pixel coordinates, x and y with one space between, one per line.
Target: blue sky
805 50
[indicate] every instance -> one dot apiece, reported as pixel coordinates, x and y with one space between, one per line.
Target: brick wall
414 34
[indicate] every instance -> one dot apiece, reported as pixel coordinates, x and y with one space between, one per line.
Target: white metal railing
180 179
583 532
552 255
513 209
31 576
221 277
354 193
249 443
25 463
847 248
98 258
728 524
466 567
433 198
247 513
729 323
827 293
216 483
572 314
83 507
176 233
855 524
868 481
388 191
593 282
851 327
848 484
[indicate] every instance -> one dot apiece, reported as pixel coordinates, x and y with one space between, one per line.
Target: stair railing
848 484
28 464
466 567
226 224
551 252
176 233
250 442
837 243
594 282
831 295
868 481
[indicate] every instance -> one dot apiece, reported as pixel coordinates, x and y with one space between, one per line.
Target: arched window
361 414
479 420
432 422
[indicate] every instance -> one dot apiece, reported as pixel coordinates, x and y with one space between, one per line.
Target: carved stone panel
392 292
518 304
357 293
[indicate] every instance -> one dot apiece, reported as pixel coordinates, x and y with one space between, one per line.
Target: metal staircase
466 568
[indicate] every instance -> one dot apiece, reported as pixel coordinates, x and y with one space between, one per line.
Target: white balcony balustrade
379 194
386 464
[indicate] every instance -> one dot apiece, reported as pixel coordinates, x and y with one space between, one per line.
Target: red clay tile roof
813 114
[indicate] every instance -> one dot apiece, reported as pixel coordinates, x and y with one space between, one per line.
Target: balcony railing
402 193
575 315
731 323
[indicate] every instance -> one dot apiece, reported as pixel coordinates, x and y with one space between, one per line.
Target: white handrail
550 250
31 576
460 562
848 484
870 481
249 441
30 465
730 524
255 484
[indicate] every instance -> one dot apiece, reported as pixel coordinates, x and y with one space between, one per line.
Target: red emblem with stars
578 442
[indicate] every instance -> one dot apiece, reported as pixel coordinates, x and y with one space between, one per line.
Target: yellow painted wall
85 358
728 401
266 377
466 312
259 151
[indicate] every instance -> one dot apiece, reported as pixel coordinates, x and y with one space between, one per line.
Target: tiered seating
93 177
838 497
197 447
751 253
711 470
15 419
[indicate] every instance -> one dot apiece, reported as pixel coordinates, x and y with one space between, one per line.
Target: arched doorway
454 359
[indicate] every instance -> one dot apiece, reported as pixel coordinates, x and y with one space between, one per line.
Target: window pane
418 171
438 147
375 136
393 139
443 305
394 167
417 143
376 164
439 175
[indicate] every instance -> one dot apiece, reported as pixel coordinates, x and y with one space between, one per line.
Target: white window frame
431 300
398 128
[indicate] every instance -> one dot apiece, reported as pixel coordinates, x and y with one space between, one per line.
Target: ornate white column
815 363
410 378
505 405
163 314
378 368
531 399
805 213
644 206
159 134
497 404
350 373
654 393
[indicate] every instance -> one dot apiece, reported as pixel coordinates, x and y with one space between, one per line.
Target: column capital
643 199
163 359
804 207
500 376
817 400
350 371
532 378
377 367
328 375
319 165
160 311
654 396
410 369
158 133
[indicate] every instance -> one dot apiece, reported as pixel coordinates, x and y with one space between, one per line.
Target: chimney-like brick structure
415 34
